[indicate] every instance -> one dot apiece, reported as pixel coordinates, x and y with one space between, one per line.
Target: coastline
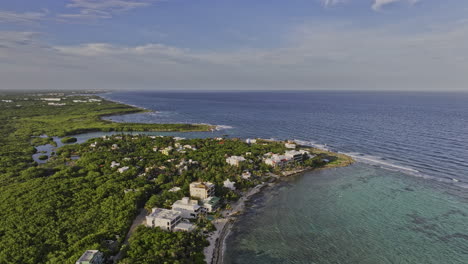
214 253
140 110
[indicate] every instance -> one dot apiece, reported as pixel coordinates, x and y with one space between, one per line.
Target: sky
419 45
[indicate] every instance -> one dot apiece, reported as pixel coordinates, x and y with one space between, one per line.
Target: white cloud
318 56
102 8
14 17
328 3
378 4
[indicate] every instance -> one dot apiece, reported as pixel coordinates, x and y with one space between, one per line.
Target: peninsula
127 198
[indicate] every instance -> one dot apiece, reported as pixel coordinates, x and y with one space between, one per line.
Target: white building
277 160
229 184
91 257
246 175
167 151
295 155
202 190
163 218
114 164
210 204
184 227
290 145
189 209
174 189
51 99
115 146
251 141
235 160
123 169
93 145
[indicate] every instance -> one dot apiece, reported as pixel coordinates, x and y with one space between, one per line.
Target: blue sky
235 44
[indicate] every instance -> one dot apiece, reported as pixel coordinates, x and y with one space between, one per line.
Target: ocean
404 201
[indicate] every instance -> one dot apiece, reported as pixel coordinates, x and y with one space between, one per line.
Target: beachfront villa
289 156
211 204
202 190
229 184
277 160
184 227
235 160
290 145
91 257
163 218
295 155
251 141
189 209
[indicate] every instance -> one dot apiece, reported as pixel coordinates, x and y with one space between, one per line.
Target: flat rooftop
164 213
88 255
203 185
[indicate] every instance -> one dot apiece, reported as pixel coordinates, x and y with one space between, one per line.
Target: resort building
295 155
163 218
184 227
290 145
91 257
251 141
189 209
229 184
235 160
211 204
115 146
202 190
298 155
277 160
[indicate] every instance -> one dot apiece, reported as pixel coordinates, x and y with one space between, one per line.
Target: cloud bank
317 57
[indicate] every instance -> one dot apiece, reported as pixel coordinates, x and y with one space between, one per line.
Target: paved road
139 220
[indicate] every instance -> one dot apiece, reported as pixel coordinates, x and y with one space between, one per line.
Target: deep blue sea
405 201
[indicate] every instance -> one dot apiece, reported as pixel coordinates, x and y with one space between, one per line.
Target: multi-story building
211 204
163 218
235 160
188 208
296 155
202 190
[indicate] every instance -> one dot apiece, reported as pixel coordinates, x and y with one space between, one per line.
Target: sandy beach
214 252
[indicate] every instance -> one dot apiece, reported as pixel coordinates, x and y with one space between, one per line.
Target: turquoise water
357 214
